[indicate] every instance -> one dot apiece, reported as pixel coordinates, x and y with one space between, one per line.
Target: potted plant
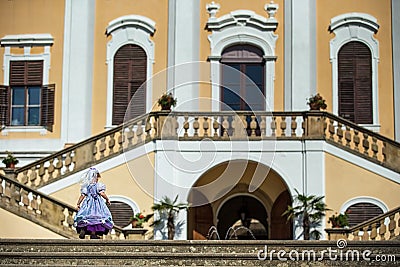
138 219
316 102
10 161
166 101
339 221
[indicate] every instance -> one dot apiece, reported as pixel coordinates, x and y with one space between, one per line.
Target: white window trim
365 199
128 201
355 27
27 41
242 27
131 29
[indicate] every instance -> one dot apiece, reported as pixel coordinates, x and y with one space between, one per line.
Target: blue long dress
94 215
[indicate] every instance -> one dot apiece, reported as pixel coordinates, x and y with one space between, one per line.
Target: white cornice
27 40
354 19
242 18
135 21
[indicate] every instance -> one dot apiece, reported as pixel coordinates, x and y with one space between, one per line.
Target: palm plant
310 209
170 209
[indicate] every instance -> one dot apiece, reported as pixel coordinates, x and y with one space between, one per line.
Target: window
243 80
355 82
130 64
26 101
361 212
121 213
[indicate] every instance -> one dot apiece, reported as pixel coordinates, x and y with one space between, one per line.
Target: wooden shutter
361 212
355 83
130 72
121 213
26 72
47 106
4 105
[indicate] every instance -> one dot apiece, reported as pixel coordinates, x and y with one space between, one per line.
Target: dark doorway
281 229
249 211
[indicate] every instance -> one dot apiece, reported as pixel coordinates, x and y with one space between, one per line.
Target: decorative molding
131 29
355 27
22 40
364 199
131 21
242 27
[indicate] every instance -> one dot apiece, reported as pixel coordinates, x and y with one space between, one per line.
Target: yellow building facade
80 82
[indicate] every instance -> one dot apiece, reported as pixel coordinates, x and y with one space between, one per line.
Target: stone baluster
102 147
7 191
68 161
196 126
25 199
59 165
121 140
263 126
130 135
392 226
374 232
331 129
253 125
34 204
111 143
216 127
347 136
356 140
365 235
24 177
1 187
15 194
374 147
293 126
365 144
33 176
148 129
186 126
225 126
283 126
42 172
139 132
273 126
339 133
50 169
206 126
356 235
382 229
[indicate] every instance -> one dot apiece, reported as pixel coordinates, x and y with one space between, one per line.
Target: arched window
355 83
130 64
243 78
121 213
361 212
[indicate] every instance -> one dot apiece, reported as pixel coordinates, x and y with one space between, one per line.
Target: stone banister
382 227
42 209
217 126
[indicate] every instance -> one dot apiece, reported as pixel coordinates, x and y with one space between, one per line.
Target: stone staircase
23 252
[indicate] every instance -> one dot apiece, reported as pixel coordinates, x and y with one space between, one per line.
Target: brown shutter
4 106
121 213
47 106
361 212
17 73
26 72
355 83
130 72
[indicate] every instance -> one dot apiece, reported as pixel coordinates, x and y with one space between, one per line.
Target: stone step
191 253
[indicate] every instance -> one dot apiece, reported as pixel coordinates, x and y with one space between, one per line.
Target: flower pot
314 106
168 108
10 165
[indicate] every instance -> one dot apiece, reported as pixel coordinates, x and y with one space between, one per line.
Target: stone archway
249 211
220 205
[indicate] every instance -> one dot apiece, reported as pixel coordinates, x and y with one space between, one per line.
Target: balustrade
218 126
383 227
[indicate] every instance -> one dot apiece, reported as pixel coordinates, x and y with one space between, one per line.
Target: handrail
221 126
41 209
381 227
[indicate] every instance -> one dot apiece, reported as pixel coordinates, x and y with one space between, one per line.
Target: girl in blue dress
93 216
